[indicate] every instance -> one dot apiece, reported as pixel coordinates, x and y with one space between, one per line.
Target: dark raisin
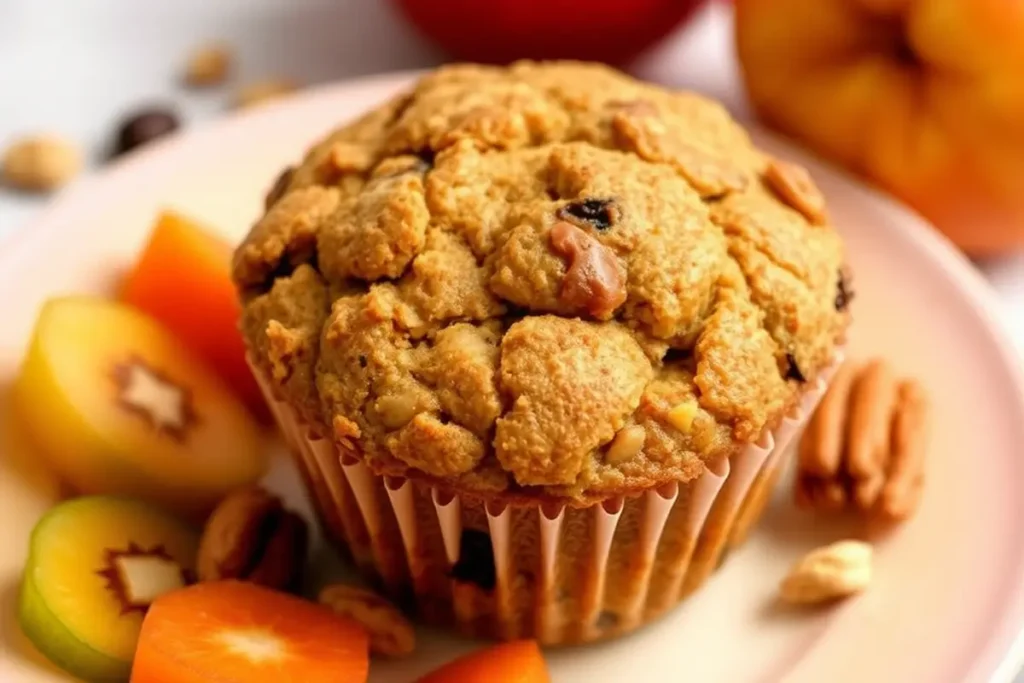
476 560
279 188
427 157
607 620
794 372
844 295
362 361
674 355
600 213
143 127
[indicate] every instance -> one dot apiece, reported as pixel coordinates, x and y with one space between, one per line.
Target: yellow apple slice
119 406
95 564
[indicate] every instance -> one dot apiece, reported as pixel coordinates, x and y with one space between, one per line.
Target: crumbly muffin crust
487 279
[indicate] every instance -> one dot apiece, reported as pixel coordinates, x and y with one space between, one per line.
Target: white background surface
76 66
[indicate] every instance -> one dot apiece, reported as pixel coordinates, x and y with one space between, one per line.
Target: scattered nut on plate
391 634
208 66
251 537
261 92
865 446
828 573
40 163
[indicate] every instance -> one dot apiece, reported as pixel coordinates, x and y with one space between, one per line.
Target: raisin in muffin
538 336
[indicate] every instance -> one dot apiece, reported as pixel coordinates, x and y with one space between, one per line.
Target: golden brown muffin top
546 275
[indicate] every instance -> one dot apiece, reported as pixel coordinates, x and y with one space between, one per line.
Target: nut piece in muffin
542 280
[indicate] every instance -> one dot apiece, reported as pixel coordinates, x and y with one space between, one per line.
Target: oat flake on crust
404 287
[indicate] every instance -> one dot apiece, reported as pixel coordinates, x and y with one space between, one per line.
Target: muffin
538 337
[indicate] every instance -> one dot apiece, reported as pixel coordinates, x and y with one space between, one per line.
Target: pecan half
865 445
391 634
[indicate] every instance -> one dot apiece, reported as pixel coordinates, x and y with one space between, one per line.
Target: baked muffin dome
542 280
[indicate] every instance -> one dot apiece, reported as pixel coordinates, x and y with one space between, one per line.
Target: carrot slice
183 279
518 661
234 632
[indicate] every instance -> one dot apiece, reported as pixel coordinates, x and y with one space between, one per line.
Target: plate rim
1002 654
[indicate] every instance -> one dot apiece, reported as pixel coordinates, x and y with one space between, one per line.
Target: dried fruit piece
183 279
118 406
828 573
793 370
143 127
518 661
40 163
595 279
681 416
208 66
94 566
250 536
234 632
391 634
264 91
601 214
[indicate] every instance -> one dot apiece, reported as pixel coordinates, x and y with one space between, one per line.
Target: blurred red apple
500 31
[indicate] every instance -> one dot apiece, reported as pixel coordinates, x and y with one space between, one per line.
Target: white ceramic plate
947 602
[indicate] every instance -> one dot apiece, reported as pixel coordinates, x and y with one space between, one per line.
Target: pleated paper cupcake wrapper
560 574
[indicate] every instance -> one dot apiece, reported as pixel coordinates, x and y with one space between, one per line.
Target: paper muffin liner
561 574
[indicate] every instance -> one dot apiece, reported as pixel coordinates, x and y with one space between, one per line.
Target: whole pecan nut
251 537
865 446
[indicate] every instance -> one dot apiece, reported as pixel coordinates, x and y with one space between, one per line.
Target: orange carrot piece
234 632
518 661
183 279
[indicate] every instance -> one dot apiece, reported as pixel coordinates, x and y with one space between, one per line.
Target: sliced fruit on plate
229 631
94 566
519 661
119 406
182 278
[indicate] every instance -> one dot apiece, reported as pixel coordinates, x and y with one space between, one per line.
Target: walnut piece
40 163
595 280
793 185
391 634
251 537
828 573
